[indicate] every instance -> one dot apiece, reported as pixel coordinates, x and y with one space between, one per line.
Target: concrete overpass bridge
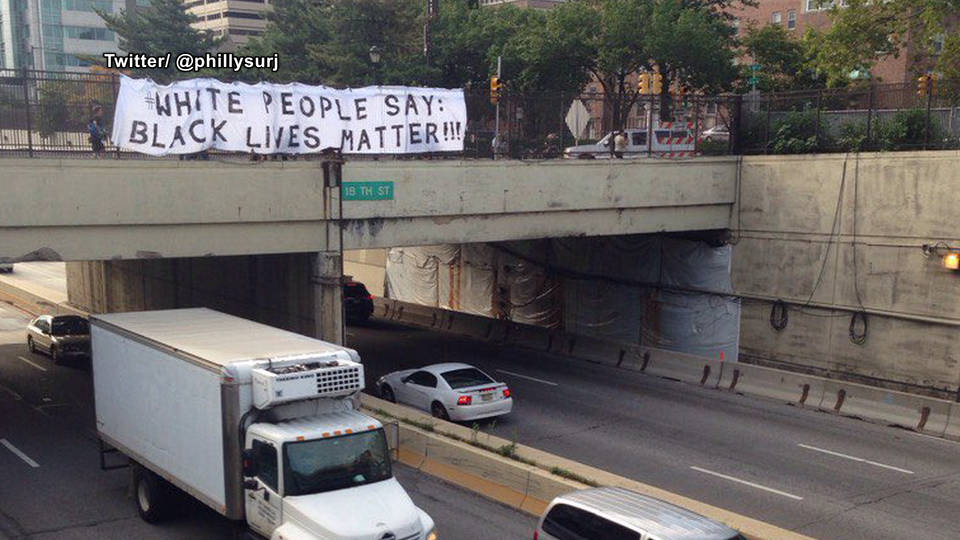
265 239
80 210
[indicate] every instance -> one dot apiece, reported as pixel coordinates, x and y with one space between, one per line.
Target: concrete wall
790 246
272 289
134 209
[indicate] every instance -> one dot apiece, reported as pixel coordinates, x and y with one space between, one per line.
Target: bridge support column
327 281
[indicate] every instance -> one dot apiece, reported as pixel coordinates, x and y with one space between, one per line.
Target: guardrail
922 414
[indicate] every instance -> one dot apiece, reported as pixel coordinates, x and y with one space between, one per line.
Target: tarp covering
648 289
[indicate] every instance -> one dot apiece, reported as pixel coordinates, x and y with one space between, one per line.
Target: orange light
326 433
371 426
349 431
337 432
300 437
951 260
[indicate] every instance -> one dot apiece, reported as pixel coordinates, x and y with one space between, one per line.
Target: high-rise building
234 20
56 35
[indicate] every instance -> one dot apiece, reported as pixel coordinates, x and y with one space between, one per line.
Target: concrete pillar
327 281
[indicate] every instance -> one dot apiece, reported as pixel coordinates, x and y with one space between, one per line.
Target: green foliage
54 113
564 473
784 60
796 133
163 27
714 147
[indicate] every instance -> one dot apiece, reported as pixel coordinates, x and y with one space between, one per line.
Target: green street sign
753 80
755 67
367 191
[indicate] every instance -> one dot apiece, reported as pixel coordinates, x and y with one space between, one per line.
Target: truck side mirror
249 463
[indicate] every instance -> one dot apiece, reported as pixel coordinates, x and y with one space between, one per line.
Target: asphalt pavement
807 471
51 486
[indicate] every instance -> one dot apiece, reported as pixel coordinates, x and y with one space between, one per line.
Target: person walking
95 129
620 144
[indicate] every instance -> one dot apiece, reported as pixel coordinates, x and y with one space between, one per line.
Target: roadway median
519 476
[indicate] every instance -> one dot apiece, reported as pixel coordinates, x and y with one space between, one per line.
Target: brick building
799 15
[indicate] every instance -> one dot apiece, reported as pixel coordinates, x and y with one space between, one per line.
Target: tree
865 32
162 27
688 41
783 60
291 25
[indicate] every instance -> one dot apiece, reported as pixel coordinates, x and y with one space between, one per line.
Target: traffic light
925 85
643 85
496 89
657 83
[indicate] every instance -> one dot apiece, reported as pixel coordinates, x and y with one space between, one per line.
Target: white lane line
853 458
534 379
32 363
751 484
19 454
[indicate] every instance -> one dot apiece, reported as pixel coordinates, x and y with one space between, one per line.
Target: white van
670 139
612 513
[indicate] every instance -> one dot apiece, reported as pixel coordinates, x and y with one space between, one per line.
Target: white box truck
258 423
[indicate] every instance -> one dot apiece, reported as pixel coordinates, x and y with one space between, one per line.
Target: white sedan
451 391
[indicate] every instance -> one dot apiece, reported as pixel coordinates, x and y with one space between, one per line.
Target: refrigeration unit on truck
258 423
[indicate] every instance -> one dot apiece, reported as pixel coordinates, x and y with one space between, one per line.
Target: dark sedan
357 302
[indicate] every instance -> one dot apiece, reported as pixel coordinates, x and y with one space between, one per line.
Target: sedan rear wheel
30 346
438 411
387 393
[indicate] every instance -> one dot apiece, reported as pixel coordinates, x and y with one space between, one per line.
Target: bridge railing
46 113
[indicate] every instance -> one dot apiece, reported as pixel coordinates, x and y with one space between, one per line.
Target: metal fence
868 117
46 113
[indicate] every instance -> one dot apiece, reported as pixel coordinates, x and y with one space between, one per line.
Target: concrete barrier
451 452
529 336
34 303
683 367
953 422
895 408
784 386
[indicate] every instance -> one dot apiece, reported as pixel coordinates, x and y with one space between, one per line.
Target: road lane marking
746 483
16 451
32 363
526 377
853 458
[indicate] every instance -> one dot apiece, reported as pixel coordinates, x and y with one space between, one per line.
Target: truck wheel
150 495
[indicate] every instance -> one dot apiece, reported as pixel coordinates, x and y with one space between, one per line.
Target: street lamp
375 60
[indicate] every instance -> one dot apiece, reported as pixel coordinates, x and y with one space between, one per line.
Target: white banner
199 114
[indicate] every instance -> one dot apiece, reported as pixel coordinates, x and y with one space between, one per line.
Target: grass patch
569 475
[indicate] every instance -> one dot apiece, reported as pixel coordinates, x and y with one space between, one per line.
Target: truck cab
302 476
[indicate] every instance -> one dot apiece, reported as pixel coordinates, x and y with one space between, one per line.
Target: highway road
807 471
51 486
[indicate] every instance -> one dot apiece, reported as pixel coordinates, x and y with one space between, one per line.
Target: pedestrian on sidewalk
95 129
620 144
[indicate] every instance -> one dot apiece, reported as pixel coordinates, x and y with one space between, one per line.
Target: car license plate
487 397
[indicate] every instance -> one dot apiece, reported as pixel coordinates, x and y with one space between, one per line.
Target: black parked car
357 302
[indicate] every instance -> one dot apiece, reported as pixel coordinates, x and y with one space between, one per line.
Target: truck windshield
335 463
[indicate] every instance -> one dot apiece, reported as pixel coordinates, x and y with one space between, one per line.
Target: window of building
736 25
938 41
823 5
791 19
776 17
88 5
242 15
87 33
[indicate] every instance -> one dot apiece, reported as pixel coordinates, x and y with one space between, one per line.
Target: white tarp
658 291
190 116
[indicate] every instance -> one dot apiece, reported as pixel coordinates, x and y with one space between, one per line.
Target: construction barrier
953 422
683 367
785 386
909 411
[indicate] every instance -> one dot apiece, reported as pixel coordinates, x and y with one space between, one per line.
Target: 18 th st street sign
367 191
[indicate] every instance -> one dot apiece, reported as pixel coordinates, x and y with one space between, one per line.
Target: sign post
496 129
